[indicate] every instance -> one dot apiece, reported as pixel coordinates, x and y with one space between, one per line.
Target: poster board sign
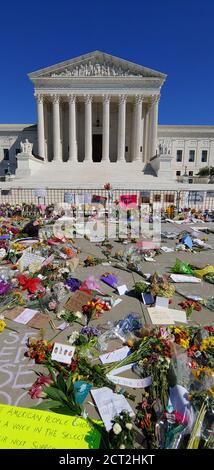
40 192
24 428
97 199
210 194
69 198
196 196
128 201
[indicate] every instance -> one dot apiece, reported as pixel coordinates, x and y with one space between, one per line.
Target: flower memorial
90 348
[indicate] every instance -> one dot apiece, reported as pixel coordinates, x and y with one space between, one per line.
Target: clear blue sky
173 36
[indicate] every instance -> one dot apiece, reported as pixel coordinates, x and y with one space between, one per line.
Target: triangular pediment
96 64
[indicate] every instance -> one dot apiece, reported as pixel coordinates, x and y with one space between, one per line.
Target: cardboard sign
23 428
38 321
77 300
128 201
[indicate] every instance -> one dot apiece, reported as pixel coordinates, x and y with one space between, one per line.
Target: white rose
74 336
122 446
59 314
129 426
117 428
78 314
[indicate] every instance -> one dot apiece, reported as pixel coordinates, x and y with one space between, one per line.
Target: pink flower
36 392
44 380
52 305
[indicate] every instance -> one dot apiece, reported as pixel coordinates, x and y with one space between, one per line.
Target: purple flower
73 284
4 287
90 331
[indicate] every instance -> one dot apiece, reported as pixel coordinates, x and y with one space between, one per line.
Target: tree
205 171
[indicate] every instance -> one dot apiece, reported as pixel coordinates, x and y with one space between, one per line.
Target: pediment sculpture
96 69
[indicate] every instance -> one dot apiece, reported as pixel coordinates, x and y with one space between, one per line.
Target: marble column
146 134
121 140
72 129
153 125
137 133
88 128
57 151
106 128
41 125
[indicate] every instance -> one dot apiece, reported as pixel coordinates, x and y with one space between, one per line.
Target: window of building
127 148
204 156
178 173
157 198
191 155
190 180
179 156
6 154
190 173
141 148
169 198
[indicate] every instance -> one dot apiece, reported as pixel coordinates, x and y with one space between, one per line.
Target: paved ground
17 373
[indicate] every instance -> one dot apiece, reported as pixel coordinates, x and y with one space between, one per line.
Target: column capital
122 99
39 97
71 98
106 98
88 99
138 99
55 99
153 99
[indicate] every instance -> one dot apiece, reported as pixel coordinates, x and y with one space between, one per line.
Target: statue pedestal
27 165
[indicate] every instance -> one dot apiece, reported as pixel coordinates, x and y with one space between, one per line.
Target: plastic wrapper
203 272
209 278
181 268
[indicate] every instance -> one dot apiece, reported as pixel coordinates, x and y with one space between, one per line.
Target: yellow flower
207 343
184 343
2 325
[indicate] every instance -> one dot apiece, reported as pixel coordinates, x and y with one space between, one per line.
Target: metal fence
200 200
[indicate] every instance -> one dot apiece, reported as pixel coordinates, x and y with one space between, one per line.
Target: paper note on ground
162 302
110 404
28 259
183 278
25 316
179 316
160 316
133 383
122 289
115 356
24 428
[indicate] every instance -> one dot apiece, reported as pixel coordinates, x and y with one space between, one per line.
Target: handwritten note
110 404
29 259
23 428
115 356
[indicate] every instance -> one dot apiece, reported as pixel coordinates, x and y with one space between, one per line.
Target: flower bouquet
110 279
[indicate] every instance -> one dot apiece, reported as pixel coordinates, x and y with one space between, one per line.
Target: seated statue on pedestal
26 147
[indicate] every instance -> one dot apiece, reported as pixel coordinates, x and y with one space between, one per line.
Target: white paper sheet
115 356
162 302
167 249
25 316
29 258
110 404
132 383
122 289
184 278
179 316
62 353
160 316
